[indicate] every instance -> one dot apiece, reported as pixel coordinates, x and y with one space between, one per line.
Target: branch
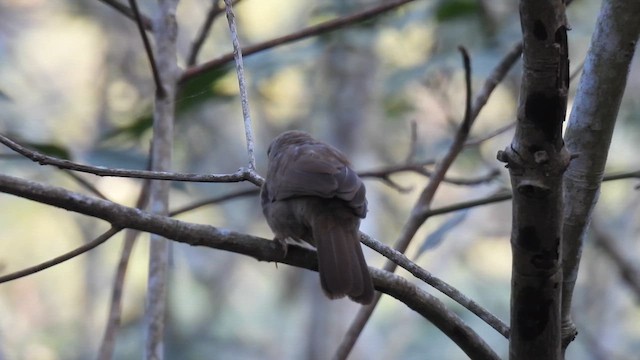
147 47
315 30
212 14
495 78
589 132
419 168
126 11
438 284
244 98
238 176
261 249
60 259
214 200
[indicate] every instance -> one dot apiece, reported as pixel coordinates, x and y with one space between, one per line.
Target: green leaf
453 9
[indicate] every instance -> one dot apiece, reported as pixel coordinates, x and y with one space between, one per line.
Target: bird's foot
282 242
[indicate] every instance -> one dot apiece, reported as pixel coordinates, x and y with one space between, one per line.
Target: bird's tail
341 264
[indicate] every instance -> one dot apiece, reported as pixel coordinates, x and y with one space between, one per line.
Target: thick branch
261 249
590 129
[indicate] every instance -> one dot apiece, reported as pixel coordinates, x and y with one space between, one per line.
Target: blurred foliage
78 85
452 9
192 93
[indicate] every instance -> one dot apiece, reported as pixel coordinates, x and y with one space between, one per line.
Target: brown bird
311 194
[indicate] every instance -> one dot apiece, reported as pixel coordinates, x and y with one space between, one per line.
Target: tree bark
590 130
161 150
537 160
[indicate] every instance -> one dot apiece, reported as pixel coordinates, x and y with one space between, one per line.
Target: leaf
453 9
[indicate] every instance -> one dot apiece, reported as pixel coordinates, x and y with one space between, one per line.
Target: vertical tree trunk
161 150
537 160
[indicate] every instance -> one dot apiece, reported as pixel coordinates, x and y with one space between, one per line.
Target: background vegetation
75 83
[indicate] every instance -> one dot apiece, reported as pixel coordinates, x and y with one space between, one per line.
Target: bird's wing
318 171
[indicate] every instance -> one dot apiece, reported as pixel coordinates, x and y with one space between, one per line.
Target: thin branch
311 31
495 78
212 14
622 175
126 11
147 47
437 283
84 183
496 132
244 98
108 344
435 312
413 142
62 258
214 200
384 173
42 159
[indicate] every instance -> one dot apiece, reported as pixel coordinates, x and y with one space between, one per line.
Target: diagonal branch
438 284
126 11
311 31
60 259
147 47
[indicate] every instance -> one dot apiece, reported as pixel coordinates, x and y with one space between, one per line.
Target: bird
312 194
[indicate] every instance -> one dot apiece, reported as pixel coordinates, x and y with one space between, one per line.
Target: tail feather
341 264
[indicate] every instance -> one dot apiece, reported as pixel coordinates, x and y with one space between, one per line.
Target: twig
147 47
437 283
62 258
214 200
622 175
107 345
315 30
212 14
115 306
384 173
238 176
413 142
126 11
496 76
87 185
244 98
496 132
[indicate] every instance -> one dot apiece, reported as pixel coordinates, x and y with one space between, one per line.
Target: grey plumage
311 194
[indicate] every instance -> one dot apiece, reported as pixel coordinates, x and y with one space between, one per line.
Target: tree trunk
537 160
